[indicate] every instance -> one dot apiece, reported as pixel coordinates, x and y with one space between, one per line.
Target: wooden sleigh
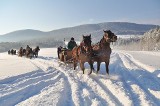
65 55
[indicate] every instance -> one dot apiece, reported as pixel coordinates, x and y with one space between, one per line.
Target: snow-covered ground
134 80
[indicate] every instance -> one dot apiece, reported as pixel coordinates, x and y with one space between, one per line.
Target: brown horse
83 53
20 52
24 52
29 52
102 49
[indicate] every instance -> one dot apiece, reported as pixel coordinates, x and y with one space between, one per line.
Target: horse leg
37 55
82 66
107 69
74 64
58 54
91 66
98 66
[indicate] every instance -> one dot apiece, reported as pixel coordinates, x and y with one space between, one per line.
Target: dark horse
59 50
83 53
35 51
102 49
13 52
9 52
24 52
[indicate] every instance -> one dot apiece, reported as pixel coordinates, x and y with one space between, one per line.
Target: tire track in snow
42 63
22 83
107 90
12 79
53 95
20 88
90 96
77 84
74 84
93 87
116 67
98 90
143 67
145 96
23 93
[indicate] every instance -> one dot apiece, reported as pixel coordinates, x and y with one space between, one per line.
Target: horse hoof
90 73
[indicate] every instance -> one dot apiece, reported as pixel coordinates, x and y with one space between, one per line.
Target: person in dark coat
9 52
71 44
27 47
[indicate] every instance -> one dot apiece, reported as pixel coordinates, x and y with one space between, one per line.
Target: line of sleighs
86 52
28 52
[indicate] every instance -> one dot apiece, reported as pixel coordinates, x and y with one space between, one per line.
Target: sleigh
64 55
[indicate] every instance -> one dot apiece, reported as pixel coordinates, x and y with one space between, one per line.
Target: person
71 44
27 47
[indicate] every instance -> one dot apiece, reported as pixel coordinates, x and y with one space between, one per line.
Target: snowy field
134 80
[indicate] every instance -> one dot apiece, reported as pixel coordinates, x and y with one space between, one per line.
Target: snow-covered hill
120 28
134 80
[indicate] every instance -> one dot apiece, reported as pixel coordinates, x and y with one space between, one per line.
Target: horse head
109 36
87 40
87 43
37 48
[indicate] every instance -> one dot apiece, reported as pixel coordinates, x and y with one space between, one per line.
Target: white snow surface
45 81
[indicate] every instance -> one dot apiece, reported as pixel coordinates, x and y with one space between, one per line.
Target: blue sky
46 15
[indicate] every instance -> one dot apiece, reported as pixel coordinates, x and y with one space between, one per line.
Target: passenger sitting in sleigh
71 44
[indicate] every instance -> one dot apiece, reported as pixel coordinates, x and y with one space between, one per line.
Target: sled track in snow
140 79
95 92
23 87
56 83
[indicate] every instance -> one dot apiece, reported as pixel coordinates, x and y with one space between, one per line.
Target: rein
84 51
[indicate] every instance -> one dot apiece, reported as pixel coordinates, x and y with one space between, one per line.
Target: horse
20 52
29 52
102 50
12 52
59 50
83 53
35 51
24 52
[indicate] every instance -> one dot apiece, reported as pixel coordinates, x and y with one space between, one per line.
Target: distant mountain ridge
119 28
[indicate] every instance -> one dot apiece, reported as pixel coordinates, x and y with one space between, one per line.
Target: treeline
149 41
42 43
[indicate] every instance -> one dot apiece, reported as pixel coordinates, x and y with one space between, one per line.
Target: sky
47 15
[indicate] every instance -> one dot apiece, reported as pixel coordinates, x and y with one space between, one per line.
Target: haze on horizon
46 15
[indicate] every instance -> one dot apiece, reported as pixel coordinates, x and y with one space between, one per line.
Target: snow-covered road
46 81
